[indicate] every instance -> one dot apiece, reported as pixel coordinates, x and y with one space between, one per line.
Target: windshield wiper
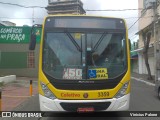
99 41
74 42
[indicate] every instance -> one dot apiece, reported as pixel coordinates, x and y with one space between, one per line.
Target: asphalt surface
143 98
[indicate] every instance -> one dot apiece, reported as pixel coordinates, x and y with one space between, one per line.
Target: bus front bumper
57 105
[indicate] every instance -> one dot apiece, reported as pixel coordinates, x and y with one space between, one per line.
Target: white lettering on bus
72 73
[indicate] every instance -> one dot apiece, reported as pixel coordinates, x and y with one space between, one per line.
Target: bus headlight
47 92
122 91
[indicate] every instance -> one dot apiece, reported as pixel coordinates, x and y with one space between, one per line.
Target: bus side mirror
32 44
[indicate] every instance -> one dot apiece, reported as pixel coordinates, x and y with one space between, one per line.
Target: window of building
31 59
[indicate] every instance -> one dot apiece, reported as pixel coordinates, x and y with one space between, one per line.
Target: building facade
65 7
148 22
15 56
134 57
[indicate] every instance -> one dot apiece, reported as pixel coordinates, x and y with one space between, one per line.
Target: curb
140 80
7 79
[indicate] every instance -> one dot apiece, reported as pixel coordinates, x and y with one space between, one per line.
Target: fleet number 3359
103 94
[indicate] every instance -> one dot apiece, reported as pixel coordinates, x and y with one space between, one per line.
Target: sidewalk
143 77
15 93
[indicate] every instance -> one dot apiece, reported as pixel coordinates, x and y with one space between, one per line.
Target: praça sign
17 34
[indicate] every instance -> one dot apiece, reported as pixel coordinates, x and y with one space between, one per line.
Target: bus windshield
84 55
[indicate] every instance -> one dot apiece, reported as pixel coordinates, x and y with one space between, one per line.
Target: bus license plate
91 109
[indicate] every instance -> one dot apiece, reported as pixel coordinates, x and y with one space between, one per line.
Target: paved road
143 98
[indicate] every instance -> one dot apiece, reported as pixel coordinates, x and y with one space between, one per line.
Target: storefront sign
17 34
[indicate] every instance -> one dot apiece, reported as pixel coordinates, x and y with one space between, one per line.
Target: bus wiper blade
74 42
99 41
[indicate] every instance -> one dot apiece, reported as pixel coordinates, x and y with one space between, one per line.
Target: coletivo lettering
70 95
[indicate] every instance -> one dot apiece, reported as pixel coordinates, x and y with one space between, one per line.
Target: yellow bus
84 64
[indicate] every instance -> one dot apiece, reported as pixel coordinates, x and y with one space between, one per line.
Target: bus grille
72 107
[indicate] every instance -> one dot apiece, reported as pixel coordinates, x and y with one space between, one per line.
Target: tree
145 53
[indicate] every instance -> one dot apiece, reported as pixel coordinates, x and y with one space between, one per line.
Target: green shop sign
17 34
